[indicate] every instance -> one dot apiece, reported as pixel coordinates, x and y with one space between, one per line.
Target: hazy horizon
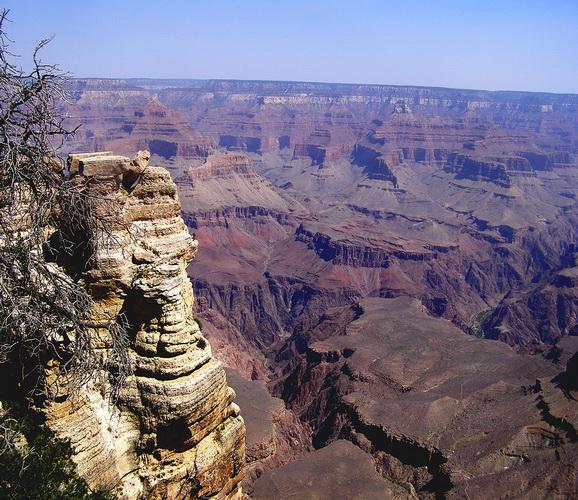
509 45
381 84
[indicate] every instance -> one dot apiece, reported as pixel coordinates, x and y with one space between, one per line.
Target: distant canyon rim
389 275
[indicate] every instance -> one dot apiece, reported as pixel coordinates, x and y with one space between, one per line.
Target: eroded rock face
464 199
174 431
548 311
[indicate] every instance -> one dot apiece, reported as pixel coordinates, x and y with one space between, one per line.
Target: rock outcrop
445 413
173 431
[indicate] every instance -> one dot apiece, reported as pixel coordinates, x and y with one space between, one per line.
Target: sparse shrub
37 465
47 222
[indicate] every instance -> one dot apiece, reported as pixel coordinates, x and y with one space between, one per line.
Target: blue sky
488 44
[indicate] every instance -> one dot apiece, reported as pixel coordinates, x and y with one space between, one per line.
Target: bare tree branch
48 225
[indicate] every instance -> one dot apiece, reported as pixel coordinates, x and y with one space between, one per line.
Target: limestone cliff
173 431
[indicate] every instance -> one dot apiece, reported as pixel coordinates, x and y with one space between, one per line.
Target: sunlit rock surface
174 431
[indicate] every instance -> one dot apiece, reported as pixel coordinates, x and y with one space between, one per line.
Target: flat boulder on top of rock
73 161
103 165
340 470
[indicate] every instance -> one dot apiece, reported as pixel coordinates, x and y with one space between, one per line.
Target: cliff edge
173 430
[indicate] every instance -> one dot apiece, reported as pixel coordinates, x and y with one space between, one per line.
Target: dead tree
45 220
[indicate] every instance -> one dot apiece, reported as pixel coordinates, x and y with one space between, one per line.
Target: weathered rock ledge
174 431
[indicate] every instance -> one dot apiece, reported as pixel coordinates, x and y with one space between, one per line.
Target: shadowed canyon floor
340 470
444 411
351 237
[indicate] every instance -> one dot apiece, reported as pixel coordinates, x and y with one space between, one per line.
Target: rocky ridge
174 430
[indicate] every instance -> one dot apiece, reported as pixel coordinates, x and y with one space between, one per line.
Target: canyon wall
456 197
350 237
173 431
442 413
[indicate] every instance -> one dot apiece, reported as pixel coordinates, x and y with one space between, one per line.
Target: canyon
388 274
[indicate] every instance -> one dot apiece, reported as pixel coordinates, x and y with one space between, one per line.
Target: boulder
73 161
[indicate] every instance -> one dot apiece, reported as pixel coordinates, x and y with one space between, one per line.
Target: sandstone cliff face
174 431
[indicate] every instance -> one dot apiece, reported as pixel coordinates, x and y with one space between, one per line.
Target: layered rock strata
174 431
319 176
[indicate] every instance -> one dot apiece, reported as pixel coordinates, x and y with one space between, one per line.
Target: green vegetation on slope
37 465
